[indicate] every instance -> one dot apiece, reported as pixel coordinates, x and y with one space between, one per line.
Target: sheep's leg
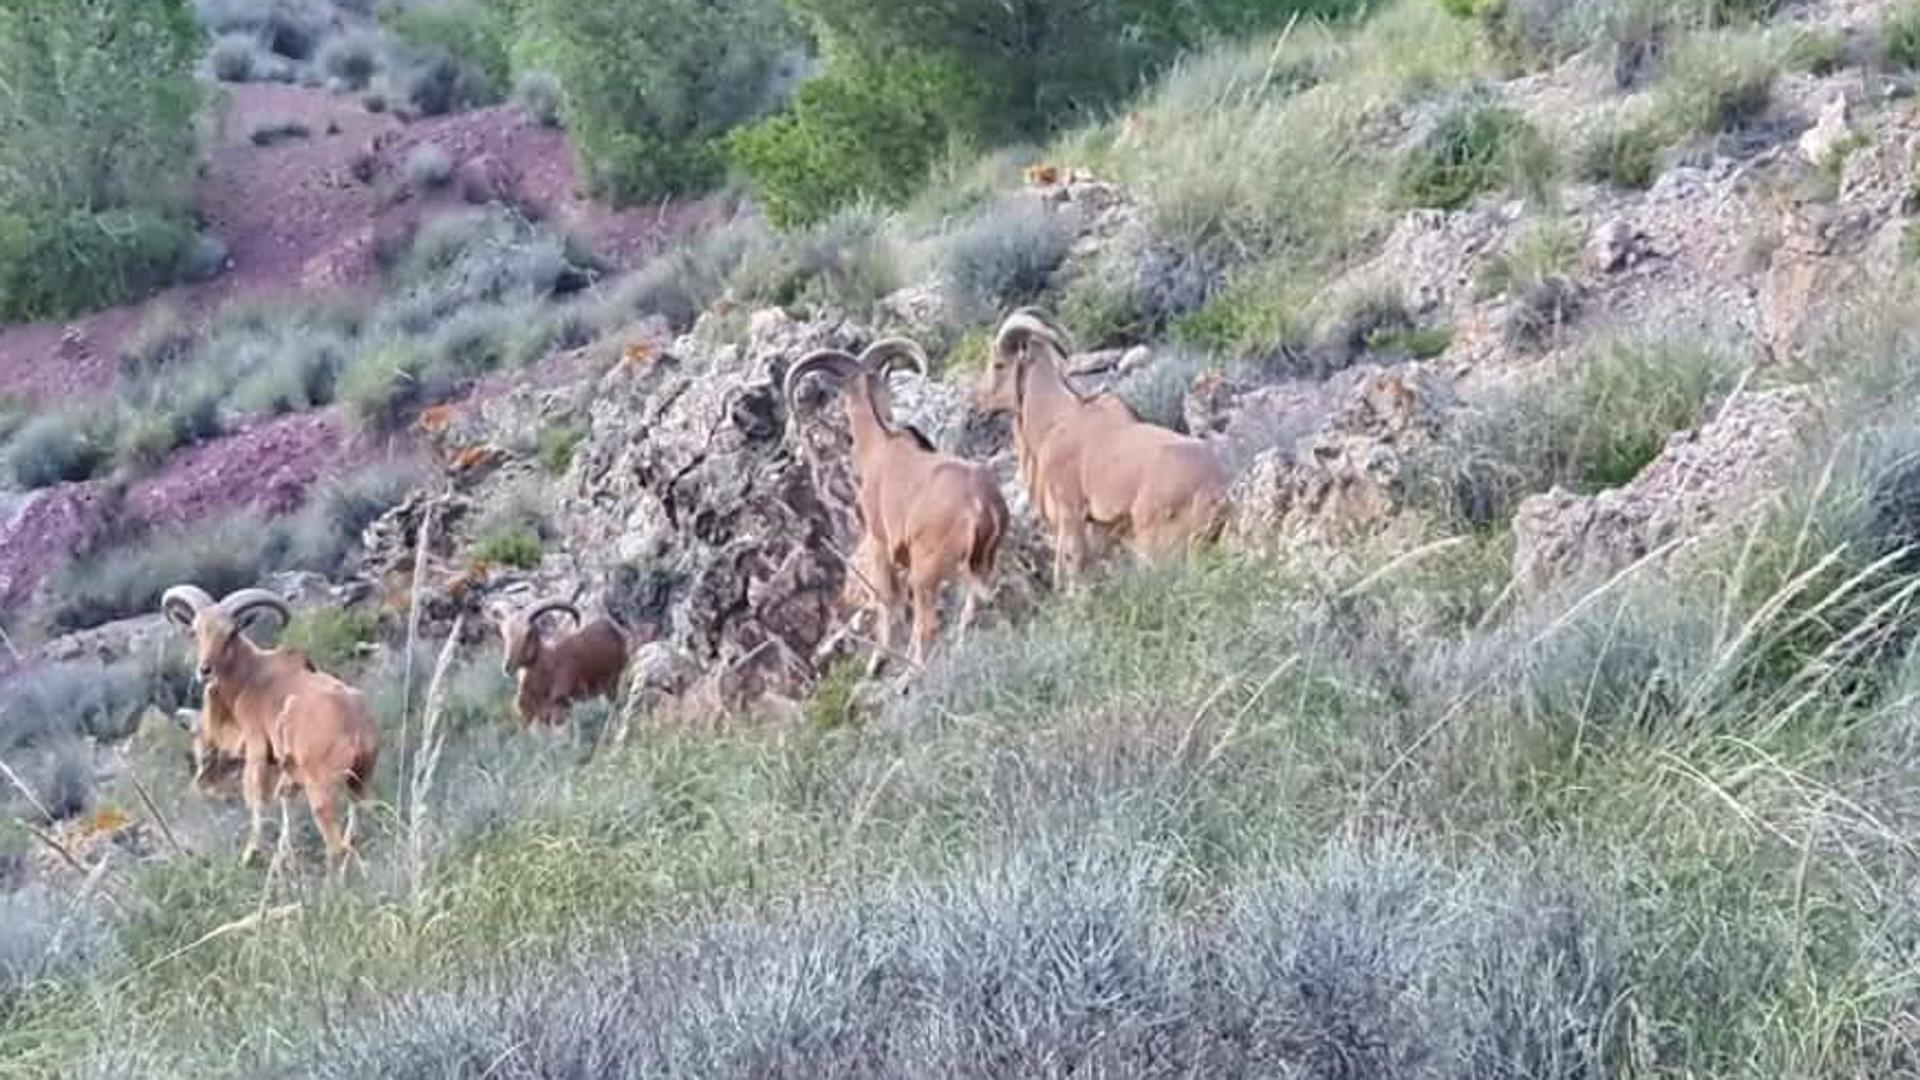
881 582
282 846
323 800
254 785
979 591
926 616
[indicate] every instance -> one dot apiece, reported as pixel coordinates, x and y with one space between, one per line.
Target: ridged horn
244 602
1023 327
884 356
838 361
182 602
533 614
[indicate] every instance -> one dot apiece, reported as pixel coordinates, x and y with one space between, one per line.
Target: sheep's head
216 627
1024 338
520 633
866 375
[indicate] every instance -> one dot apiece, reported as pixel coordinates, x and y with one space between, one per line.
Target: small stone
1135 359
1615 246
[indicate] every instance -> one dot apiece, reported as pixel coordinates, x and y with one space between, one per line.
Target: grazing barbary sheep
272 710
924 515
554 674
1091 462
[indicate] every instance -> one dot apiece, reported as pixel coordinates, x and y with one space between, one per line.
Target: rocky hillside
1547 709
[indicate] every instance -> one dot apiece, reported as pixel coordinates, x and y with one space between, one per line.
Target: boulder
1705 480
1335 453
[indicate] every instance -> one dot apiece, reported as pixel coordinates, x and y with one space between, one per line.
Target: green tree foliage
906 80
866 129
97 100
653 86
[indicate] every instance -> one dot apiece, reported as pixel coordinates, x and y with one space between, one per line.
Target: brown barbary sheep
273 711
925 516
555 674
1092 463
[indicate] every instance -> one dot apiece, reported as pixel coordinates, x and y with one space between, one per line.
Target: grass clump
1625 152
1475 148
540 95
517 547
557 446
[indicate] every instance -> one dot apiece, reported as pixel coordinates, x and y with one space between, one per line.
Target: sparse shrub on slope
1473 149
1900 36
1006 255
59 447
465 34
540 94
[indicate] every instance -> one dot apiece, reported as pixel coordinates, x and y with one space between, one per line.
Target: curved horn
182 602
1024 327
532 614
880 360
238 605
882 357
838 361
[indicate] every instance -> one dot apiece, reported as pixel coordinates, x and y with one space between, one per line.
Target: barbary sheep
925 516
273 711
554 674
1091 462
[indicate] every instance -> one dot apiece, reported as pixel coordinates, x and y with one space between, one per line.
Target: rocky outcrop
1335 454
1708 479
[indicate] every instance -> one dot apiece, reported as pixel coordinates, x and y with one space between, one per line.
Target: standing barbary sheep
272 710
554 674
924 515
1091 462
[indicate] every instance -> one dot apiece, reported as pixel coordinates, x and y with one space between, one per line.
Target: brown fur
555 674
284 720
1090 463
926 517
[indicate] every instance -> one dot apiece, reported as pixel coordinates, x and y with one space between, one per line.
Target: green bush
60 447
331 637
557 445
541 96
517 547
866 130
653 86
1625 153
1720 83
98 152
1900 37
56 262
469 33
1006 255
1473 149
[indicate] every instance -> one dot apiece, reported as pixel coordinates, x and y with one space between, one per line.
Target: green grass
333 638
1475 149
518 547
557 445
1900 36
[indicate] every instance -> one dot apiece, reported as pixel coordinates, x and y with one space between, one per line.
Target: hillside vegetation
1552 709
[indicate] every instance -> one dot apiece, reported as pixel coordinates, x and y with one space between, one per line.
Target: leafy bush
463 33
98 153
60 447
653 86
541 96
288 28
351 60
846 261
235 58
1006 255
866 130
162 340
1158 392
1473 149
